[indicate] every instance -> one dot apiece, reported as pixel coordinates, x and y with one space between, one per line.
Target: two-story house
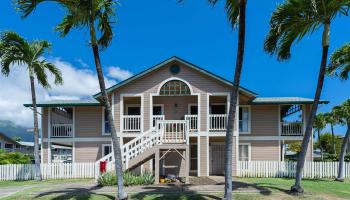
171 119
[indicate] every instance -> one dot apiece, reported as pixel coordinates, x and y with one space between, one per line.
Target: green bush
14 158
109 178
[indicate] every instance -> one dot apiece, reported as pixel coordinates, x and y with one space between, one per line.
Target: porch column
156 167
203 155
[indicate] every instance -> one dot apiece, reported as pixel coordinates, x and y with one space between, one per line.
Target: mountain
12 130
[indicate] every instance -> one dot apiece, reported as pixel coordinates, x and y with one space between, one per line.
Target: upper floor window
107 127
244 118
175 88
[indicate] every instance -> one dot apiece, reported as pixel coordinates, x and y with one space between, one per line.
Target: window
106 149
244 152
107 127
158 110
244 119
133 110
175 88
193 110
218 109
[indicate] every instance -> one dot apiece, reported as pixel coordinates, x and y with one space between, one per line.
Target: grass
314 190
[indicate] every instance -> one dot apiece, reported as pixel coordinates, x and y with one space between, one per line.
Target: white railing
217 122
173 131
48 171
61 130
192 122
277 169
292 128
131 123
156 118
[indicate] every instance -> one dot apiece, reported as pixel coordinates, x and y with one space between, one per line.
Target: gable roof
175 58
284 100
8 138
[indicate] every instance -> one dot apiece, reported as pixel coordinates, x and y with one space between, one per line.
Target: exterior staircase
143 147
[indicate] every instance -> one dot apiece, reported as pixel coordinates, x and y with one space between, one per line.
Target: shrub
14 158
109 178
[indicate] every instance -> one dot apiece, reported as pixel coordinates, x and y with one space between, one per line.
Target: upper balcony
61 121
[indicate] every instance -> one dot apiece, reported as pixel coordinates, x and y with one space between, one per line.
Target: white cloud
119 73
15 90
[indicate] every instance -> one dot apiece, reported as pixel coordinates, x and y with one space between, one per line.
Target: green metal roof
284 100
175 58
66 103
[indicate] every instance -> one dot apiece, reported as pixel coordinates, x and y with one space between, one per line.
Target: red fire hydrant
103 165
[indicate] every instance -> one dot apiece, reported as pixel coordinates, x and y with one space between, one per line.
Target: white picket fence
49 171
276 169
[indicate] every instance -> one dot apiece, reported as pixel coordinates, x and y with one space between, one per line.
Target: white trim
279 120
249 119
173 79
249 150
49 137
122 95
265 138
208 111
103 149
80 139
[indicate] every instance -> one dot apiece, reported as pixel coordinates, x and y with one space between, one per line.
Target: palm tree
340 63
331 119
236 14
14 49
289 23
343 112
319 125
97 17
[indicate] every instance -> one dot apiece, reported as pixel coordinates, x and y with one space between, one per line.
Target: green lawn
32 182
314 190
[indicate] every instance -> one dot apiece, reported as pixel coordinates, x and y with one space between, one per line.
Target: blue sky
148 32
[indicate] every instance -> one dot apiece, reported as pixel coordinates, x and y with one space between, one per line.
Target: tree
343 112
331 120
236 14
325 141
97 17
16 50
319 125
340 63
289 23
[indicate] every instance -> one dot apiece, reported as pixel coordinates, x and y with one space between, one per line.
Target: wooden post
187 152
156 171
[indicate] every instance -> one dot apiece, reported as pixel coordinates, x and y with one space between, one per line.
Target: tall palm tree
236 14
14 49
289 23
343 112
97 17
331 119
340 63
319 125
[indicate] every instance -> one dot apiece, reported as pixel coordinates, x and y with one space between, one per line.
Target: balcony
62 130
292 128
131 123
217 122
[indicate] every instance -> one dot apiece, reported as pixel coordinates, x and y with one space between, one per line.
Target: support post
187 165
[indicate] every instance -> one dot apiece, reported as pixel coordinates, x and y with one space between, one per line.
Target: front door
217 160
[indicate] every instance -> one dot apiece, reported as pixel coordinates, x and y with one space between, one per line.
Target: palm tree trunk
36 130
105 101
233 101
319 140
342 155
333 140
297 188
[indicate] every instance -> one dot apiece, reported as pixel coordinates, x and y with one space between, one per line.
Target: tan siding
204 111
88 121
88 151
170 111
203 155
234 156
150 83
264 120
264 150
45 152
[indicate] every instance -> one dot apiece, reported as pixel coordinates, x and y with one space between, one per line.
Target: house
10 145
171 119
